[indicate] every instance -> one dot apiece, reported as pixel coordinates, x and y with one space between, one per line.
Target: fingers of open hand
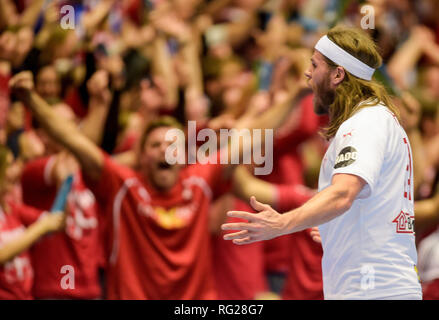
241 237
236 235
247 232
315 235
241 226
245 240
258 205
243 215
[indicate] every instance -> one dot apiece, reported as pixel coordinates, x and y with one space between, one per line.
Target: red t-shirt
160 243
288 169
4 99
296 254
16 275
73 100
304 281
76 249
239 270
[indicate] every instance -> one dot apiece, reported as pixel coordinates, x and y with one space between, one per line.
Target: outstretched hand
264 225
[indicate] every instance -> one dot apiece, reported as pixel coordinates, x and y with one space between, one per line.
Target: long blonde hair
353 93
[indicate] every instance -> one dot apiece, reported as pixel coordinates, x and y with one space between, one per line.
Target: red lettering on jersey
405 223
407 187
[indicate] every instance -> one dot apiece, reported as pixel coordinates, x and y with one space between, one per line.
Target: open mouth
163 165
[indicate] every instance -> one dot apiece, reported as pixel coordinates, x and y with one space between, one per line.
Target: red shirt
239 270
297 254
304 281
73 99
288 169
77 247
4 99
160 243
16 275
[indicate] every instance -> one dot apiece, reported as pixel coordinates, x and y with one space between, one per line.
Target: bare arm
327 204
245 185
8 14
99 104
273 118
408 55
92 18
162 64
323 207
214 6
192 61
30 15
431 50
48 223
64 132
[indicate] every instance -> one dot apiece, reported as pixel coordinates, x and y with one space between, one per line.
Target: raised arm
162 67
245 185
409 53
99 105
30 15
275 116
63 131
272 118
8 13
93 18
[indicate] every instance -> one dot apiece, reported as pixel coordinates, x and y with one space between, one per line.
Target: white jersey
369 250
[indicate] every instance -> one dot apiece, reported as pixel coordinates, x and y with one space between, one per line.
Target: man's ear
338 75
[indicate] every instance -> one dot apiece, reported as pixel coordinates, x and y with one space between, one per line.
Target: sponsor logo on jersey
405 223
349 134
347 156
172 218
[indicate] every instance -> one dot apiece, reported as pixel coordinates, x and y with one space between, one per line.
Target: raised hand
264 225
53 222
22 84
98 86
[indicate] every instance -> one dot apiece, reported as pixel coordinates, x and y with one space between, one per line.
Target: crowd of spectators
110 69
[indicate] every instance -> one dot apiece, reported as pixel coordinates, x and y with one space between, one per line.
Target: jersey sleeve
360 147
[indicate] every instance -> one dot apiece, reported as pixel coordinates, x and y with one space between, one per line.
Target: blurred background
213 62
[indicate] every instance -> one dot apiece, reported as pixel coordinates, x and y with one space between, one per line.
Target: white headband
336 54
